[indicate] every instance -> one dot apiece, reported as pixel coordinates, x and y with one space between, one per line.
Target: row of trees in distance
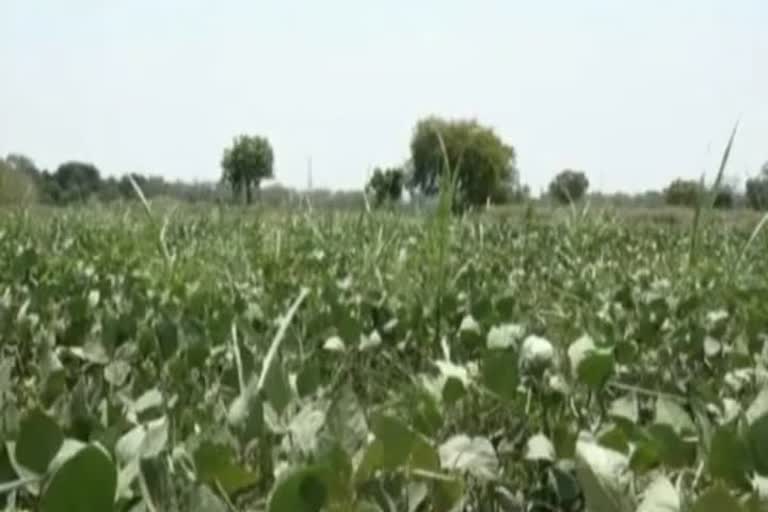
76 182
482 165
487 173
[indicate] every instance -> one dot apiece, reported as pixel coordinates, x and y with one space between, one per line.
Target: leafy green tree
249 161
725 198
24 164
757 190
76 181
568 186
483 163
386 185
682 192
16 187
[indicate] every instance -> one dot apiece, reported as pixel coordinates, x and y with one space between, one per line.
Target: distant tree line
77 182
478 166
22 182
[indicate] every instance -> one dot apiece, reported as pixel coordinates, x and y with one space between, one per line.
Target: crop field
237 360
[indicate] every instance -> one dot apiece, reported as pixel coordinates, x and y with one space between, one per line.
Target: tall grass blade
707 197
140 195
753 236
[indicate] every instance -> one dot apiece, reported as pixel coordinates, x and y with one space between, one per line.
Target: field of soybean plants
240 360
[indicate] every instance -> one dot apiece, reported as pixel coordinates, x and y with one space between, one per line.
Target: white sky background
634 92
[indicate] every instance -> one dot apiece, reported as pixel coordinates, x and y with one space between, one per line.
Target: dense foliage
15 186
757 190
689 193
246 164
386 185
682 193
484 164
78 182
223 360
568 186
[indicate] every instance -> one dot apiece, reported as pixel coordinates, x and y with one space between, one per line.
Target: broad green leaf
204 500
469 331
536 353
565 485
246 415
671 413
304 490
309 378
500 373
673 450
117 372
416 493
92 351
370 462
217 463
660 496
590 364
129 444
345 421
334 344
448 495
276 387
87 482
149 403
539 448
602 474
449 370
6 367
39 440
504 336
167 334
465 454
758 444
759 406
614 438
367 506
155 439
453 390
596 367
370 341
423 455
716 499
564 437
625 407
144 440
7 474
337 471
578 351
730 458
305 425
157 483
69 448
396 438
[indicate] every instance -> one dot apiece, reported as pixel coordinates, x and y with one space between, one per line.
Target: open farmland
226 359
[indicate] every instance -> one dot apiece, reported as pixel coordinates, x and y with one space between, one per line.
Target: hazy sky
635 93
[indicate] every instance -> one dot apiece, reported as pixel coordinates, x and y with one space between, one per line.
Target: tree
484 164
76 181
568 186
724 198
246 164
682 193
16 187
24 164
757 190
386 185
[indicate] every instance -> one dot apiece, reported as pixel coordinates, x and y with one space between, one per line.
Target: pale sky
635 93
